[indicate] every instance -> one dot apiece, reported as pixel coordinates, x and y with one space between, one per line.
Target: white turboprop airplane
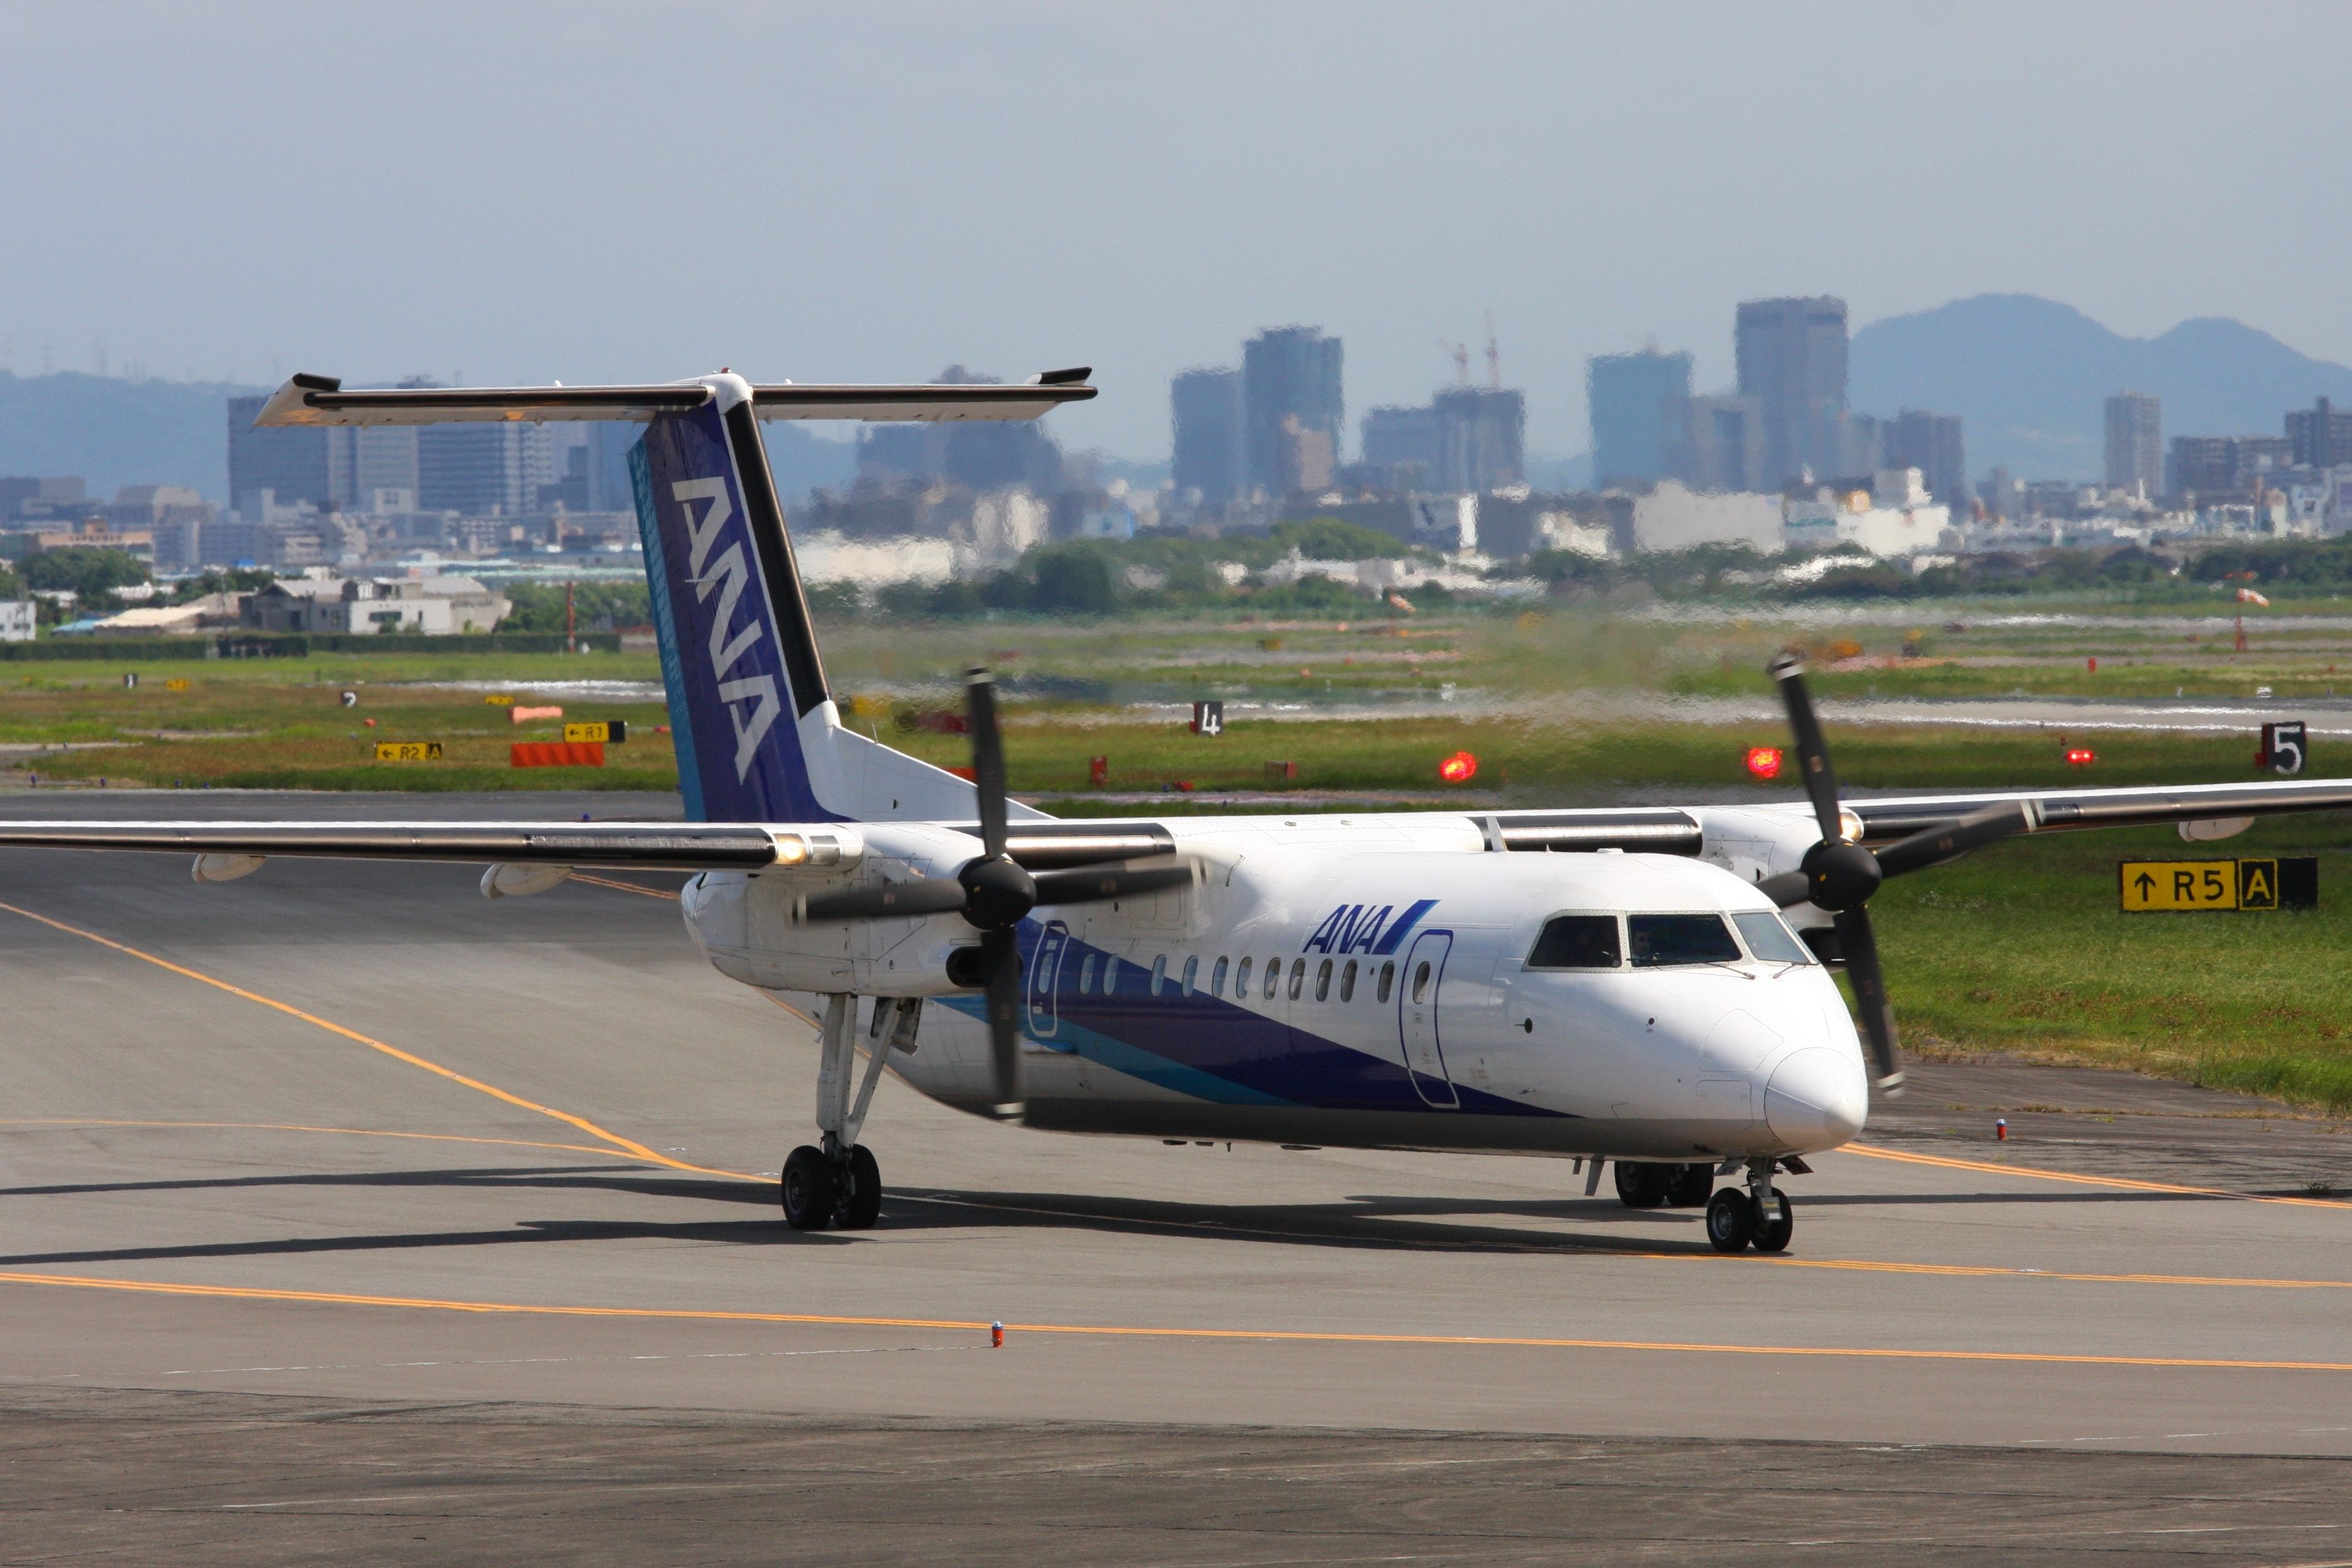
1660 997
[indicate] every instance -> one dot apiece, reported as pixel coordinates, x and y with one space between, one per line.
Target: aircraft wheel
1688 1187
1641 1186
1779 1223
807 1189
1730 1220
858 1199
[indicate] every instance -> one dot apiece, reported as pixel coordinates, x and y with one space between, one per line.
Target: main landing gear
839 1183
1760 1217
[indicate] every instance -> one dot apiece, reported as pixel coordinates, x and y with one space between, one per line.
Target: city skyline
1110 232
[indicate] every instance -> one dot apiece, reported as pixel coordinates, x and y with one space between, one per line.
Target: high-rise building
482 470
1210 456
1792 361
292 462
1721 449
1405 444
2322 434
1931 443
2135 443
1289 374
1638 406
1481 440
2202 469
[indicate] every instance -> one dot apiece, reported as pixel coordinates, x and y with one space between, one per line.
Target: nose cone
1817 1099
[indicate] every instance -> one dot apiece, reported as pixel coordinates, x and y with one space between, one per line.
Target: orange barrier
525 715
559 753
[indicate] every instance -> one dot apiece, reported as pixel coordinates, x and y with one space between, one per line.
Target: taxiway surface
358 1141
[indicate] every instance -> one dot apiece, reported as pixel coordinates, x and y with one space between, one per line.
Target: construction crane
1494 357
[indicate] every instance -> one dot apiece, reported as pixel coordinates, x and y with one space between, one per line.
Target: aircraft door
1043 1015
1419 980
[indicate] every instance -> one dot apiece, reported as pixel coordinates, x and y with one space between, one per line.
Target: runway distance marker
1125 1330
629 1145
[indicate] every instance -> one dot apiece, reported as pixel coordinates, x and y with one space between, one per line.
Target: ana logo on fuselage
1361 928
730 575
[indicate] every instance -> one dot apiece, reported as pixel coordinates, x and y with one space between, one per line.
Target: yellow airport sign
177 683
499 700
2206 887
408 750
615 730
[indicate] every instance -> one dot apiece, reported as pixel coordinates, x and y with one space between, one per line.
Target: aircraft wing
309 400
2061 810
649 846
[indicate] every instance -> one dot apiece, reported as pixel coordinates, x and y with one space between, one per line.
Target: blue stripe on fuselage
1221 1051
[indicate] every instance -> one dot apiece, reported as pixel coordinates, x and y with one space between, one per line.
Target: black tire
1641 1186
806 1189
858 1202
1689 1185
1777 1225
1730 1221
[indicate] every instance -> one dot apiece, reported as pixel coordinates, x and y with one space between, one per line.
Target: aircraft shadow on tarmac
1369 1221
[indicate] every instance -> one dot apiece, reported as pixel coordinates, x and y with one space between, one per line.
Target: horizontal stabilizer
321 400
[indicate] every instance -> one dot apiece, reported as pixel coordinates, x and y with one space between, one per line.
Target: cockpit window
1576 942
1660 940
1770 940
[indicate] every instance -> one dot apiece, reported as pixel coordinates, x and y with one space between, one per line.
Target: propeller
1839 875
994 892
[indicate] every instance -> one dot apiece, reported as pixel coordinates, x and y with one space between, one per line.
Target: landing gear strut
840 1184
1760 1217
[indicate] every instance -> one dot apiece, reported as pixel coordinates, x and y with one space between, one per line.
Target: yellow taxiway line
2080 1179
630 1145
1128 1330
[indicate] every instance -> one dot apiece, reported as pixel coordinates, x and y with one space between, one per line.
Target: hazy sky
863 191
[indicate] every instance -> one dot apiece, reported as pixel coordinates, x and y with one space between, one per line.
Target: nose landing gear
1760 1217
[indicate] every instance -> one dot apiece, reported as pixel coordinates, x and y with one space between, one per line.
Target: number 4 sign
1208 718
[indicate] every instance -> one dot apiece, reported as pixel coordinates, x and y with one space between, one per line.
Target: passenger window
1217 977
1111 975
1086 974
1191 970
1297 977
1323 982
1388 978
1658 941
1273 976
1159 973
1420 981
1348 982
1769 938
1240 982
1576 942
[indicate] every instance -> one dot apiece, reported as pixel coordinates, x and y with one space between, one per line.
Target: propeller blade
1002 953
1821 784
1934 845
890 900
1860 946
1093 884
1787 888
987 759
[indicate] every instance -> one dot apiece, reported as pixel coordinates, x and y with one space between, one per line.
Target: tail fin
758 736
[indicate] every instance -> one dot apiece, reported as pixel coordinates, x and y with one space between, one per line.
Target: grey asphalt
254 1263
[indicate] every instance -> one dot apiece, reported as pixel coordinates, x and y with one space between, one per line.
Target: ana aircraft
1650 988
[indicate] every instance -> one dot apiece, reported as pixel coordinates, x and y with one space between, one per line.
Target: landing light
1459 768
1764 762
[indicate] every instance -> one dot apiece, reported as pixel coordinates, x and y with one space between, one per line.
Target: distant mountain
2030 379
114 432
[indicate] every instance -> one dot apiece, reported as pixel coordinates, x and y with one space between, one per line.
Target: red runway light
2081 756
1459 768
1764 762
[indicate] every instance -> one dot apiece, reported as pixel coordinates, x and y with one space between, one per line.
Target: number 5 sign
2282 748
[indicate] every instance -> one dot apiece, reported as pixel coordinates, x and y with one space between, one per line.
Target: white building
428 606
1674 517
1895 516
16 620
